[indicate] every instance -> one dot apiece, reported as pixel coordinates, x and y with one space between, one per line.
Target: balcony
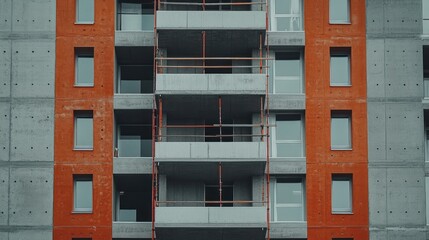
210 20
134 23
211 75
211 15
226 217
211 151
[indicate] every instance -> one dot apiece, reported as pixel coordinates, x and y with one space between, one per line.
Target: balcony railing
211 65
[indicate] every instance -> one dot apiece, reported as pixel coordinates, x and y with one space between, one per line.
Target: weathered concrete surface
215 151
133 101
132 230
130 165
206 20
215 216
134 39
395 120
210 84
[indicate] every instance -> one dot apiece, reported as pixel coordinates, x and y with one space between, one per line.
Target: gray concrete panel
206 20
210 84
287 102
31 196
402 17
226 217
286 39
130 165
5 15
4 235
196 151
4 130
133 101
4 196
375 68
288 166
33 68
378 234
404 119
35 15
5 67
376 131
32 130
374 16
290 230
401 234
403 68
406 197
377 196
31 234
131 230
134 39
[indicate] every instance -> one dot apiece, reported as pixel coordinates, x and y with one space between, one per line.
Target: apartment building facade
278 119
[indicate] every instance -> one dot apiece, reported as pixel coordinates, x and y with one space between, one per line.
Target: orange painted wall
322 162
98 162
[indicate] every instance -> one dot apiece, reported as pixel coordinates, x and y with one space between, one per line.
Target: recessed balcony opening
133 198
210 52
135 15
134 71
426 70
234 121
133 133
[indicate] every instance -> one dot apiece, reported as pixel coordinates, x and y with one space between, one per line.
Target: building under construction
214 119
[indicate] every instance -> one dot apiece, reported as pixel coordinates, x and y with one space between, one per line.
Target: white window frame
275 205
274 16
83 114
82 178
77 13
340 177
84 53
348 21
342 114
346 52
300 78
274 136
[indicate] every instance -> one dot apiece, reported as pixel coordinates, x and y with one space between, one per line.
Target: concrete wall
26 133
27 68
395 120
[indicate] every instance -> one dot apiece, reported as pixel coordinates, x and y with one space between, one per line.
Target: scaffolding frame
157 109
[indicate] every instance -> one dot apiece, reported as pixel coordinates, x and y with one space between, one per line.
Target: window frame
299 78
119 134
83 114
84 52
274 16
339 22
349 179
82 178
337 52
342 114
274 136
77 22
275 205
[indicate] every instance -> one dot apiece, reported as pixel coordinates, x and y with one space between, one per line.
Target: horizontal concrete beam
133 101
215 216
286 38
287 102
206 20
295 230
131 165
210 84
206 151
134 39
288 165
131 229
